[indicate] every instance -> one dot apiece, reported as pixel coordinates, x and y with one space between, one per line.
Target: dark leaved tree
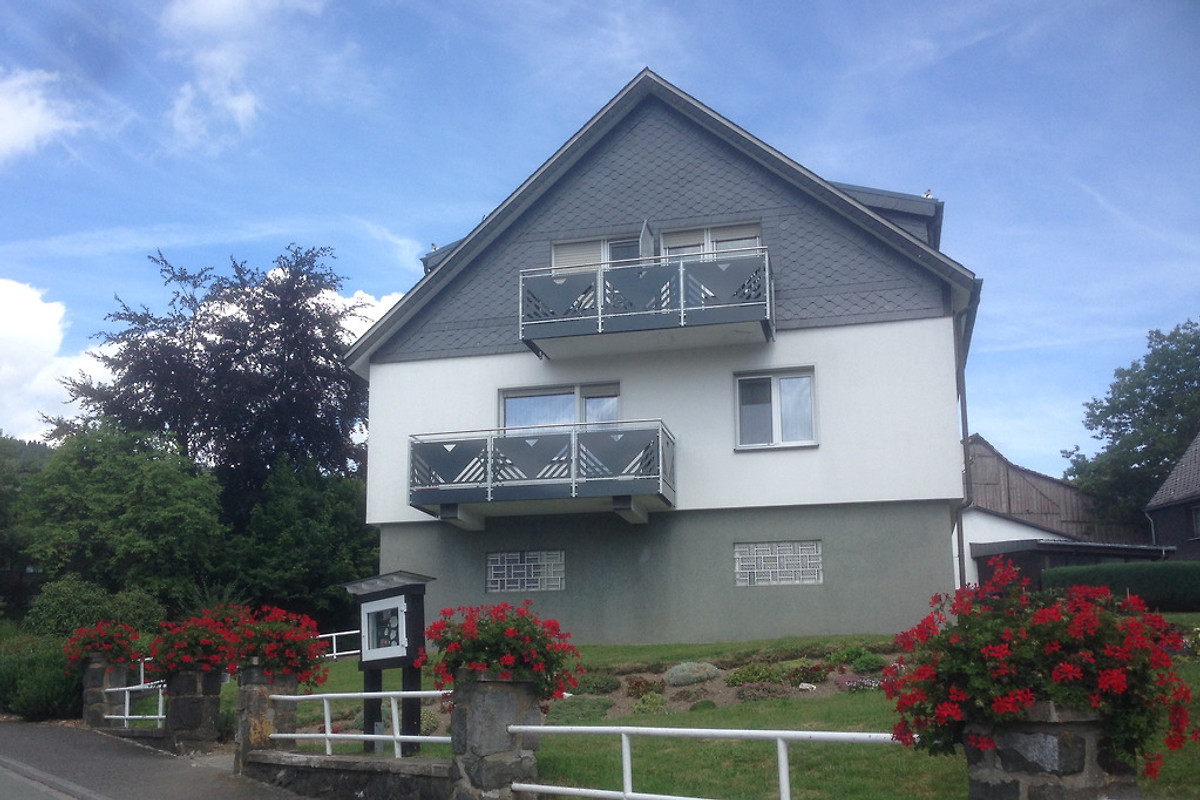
1148 418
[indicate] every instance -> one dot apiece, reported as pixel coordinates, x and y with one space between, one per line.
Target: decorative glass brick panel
527 571
777 563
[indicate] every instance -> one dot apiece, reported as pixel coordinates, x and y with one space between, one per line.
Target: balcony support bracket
631 509
459 517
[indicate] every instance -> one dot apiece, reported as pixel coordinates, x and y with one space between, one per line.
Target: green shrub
66 604
650 703
754 672
1164 585
38 685
690 672
430 720
868 662
597 683
136 608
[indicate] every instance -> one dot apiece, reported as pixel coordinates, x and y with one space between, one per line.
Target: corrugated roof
1183 484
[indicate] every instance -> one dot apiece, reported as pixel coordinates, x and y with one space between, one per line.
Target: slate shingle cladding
659 166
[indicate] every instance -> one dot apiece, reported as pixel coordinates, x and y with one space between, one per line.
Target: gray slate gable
1183 484
656 161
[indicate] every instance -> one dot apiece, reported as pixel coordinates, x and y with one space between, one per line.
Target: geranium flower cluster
223 638
283 643
115 642
509 641
987 653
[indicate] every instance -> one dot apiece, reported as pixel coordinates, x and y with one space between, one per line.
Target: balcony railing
551 462
730 286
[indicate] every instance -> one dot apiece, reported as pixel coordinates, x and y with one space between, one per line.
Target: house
677 387
1037 521
1174 511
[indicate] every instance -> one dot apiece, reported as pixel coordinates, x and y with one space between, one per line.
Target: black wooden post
372 707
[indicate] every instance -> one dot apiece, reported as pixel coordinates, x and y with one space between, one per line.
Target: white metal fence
781 739
142 687
334 652
329 737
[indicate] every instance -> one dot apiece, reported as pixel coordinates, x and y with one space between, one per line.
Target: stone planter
99 675
258 717
1054 754
193 710
487 757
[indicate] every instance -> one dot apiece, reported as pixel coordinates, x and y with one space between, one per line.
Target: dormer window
593 251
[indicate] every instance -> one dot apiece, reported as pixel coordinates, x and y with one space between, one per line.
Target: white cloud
31 364
229 47
31 112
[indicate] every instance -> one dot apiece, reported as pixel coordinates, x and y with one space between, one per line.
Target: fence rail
142 687
329 737
334 653
781 739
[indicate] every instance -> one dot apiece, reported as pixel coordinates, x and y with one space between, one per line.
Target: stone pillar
193 710
487 758
98 676
258 717
1055 753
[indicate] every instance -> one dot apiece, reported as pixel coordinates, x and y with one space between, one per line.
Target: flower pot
1052 752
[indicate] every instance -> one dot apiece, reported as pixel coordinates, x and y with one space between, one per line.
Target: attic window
711 240
593 251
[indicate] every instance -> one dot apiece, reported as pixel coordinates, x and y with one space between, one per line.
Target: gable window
775 409
594 251
560 405
709 240
778 563
526 571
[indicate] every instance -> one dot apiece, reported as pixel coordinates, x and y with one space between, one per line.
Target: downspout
1153 532
961 379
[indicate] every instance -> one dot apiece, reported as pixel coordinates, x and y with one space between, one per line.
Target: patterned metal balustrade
647 294
629 458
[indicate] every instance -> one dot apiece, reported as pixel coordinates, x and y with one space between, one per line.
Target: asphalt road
58 762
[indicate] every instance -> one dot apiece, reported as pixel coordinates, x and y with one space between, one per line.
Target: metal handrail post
785 771
626 765
328 727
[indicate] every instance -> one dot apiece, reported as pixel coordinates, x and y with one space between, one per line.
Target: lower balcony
623 467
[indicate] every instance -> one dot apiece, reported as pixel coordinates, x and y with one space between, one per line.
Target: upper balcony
625 467
694 300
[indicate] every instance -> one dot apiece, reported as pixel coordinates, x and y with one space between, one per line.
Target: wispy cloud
230 48
33 112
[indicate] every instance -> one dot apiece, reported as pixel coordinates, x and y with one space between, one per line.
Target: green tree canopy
1148 418
123 510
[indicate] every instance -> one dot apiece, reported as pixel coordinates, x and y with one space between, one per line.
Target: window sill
759 448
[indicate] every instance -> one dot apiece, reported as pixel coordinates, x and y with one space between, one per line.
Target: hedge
1164 585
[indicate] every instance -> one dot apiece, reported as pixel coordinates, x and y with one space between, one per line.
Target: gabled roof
1183 484
964 287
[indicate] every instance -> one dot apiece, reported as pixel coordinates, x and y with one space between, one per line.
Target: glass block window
527 571
777 563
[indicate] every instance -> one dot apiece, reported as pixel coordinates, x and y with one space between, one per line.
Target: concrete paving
53 762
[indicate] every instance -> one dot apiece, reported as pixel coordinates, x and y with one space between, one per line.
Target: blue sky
1061 137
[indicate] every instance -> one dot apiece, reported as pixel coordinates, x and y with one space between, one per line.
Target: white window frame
787 563
589 252
545 571
582 392
777 440
709 240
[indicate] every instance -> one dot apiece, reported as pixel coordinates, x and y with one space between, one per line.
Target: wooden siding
1005 488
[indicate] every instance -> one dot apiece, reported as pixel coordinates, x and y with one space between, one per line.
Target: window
708 240
594 251
775 410
778 563
527 571
562 405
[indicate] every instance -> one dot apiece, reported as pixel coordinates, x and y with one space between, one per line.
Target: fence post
98 676
258 717
193 710
487 758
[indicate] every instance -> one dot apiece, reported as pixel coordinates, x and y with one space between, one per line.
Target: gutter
968 499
